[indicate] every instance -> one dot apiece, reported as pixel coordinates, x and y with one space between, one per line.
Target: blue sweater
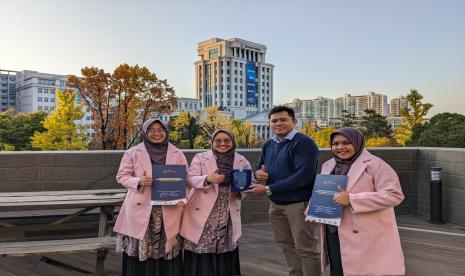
291 166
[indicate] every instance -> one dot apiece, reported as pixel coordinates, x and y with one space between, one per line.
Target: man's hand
215 177
261 175
257 189
145 181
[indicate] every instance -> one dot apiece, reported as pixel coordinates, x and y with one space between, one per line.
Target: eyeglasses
225 141
156 130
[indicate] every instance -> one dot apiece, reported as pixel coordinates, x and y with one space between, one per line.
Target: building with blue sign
233 74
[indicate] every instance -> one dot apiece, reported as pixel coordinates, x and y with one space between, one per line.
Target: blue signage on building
251 84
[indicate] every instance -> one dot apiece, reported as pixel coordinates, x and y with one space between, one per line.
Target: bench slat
55 246
70 192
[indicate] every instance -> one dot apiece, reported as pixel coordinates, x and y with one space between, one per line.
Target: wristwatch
268 191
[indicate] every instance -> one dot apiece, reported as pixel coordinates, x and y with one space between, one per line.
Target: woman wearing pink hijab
367 241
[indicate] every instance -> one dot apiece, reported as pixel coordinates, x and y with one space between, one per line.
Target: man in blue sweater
286 171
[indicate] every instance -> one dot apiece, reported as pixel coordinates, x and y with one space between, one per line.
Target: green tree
443 130
375 125
184 128
62 133
16 129
415 114
348 119
244 134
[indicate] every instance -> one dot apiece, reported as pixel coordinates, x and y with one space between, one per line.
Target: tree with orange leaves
120 102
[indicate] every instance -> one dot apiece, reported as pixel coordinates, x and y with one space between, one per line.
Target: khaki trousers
299 240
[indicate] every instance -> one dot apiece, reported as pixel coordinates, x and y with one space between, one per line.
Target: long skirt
216 254
148 256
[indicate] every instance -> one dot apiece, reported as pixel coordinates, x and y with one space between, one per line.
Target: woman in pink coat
367 241
211 224
148 235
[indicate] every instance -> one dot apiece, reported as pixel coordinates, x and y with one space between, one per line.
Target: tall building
234 74
356 105
319 109
397 105
378 103
297 106
7 89
36 91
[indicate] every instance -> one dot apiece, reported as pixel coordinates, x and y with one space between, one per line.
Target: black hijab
225 161
157 152
358 141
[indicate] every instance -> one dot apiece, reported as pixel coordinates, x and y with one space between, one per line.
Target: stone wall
42 171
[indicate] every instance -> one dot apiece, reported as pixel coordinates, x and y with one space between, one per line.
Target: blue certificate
321 207
241 180
168 184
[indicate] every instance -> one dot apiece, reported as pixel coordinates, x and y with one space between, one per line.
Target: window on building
240 65
235 63
240 73
235 103
227 63
235 79
39 90
39 99
45 90
235 72
240 88
46 99
45 107
39 107
235 96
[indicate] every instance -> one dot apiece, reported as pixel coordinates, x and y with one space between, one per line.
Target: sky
319 48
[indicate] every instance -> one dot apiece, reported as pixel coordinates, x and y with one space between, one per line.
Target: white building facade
233 74
35 91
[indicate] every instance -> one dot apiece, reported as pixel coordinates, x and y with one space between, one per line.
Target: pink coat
201 199
369 239
133 218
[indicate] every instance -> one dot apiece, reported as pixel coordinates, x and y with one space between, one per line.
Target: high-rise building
297 106
7 89
378 103
397 105
233 74
356 105
319 109
36 91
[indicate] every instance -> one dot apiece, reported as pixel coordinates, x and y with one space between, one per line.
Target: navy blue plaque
241 180
168 184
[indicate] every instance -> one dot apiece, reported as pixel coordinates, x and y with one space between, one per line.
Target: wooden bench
83 201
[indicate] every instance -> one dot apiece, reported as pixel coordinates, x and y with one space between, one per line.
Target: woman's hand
215 177
341 197
145 181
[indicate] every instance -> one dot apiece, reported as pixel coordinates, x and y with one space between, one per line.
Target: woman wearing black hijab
148 236
211 224
367 241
